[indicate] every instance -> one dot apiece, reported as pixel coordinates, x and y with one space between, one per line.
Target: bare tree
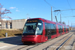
63 22
2 12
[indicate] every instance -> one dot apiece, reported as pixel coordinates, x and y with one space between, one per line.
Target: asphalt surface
12 40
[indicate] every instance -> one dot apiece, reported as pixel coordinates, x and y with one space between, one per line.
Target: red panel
44 38
53 36
63 30
32 38
38 38
44 20
57 31
63 33
29 38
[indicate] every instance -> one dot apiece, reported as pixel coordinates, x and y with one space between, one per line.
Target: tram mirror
37 28
39 24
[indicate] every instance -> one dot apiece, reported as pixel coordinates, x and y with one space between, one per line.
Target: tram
38 30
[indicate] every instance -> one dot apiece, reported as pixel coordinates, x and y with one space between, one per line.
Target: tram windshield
33 28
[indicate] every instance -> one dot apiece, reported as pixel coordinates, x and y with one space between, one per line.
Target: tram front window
29 28
33 28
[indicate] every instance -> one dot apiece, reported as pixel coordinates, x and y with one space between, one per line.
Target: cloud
17 10
4 19
3 8
12 7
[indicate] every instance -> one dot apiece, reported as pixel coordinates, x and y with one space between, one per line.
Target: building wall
18 24
12 24
3 24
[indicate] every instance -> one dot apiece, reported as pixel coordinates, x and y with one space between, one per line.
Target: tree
3 11
63 22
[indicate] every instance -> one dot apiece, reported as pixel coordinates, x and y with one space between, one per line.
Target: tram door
47 30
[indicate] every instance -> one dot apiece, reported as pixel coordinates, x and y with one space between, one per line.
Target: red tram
39 30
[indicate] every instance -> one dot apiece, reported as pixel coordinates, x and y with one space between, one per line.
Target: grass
10 32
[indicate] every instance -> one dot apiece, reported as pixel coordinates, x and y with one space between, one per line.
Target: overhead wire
70 6
50 4
61 10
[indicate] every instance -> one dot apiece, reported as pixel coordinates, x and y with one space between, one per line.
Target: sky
23 9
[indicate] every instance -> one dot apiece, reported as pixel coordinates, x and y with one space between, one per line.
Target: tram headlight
34 36
22 35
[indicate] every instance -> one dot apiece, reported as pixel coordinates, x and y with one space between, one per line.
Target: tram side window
67 28
50 28
53 29
64 29
47 28
60 29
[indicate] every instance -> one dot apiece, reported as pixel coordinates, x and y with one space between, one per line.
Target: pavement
10 41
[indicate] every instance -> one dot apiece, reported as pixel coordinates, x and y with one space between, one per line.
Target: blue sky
21 9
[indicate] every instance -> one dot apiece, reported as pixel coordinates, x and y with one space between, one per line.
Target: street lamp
56 17
56 10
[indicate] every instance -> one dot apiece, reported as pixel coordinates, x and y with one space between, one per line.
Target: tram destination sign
29 21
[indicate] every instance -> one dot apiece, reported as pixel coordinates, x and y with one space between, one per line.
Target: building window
10 25
0 24
6 25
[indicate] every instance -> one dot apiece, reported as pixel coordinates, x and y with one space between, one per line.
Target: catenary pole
51 15
60 18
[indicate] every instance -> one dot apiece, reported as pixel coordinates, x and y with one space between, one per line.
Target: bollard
6 34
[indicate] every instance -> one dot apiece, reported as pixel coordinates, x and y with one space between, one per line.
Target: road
10 42
64 42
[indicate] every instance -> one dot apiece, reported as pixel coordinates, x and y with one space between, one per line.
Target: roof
47 21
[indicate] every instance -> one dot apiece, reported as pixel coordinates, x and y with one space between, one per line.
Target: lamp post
56 10
51 15
56 17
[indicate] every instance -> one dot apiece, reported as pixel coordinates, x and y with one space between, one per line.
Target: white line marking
9 37
3 47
